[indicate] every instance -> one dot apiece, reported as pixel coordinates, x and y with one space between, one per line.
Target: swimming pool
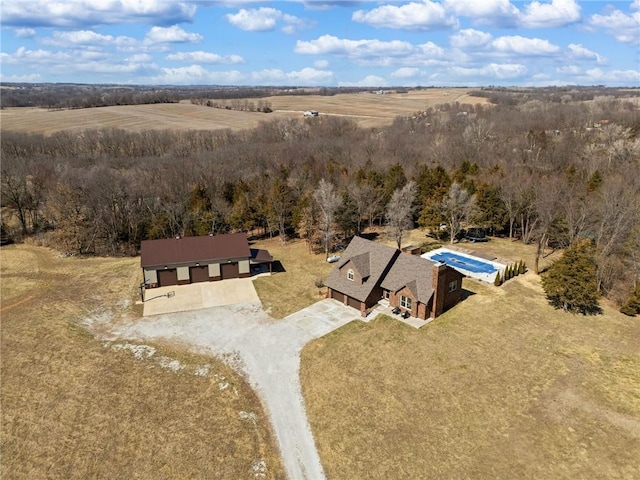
469 265
465 263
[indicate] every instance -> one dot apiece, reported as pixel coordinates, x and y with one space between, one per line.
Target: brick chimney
438 282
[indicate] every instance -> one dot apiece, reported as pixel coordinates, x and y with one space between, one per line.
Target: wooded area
536 170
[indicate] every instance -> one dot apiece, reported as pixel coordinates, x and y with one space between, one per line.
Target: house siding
344 270
418 309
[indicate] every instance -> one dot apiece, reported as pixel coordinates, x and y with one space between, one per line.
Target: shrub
498 280
523 267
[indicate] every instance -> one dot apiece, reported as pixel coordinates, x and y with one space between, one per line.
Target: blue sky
322 42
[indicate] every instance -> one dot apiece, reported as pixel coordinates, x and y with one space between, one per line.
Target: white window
453 286
405 302
350 274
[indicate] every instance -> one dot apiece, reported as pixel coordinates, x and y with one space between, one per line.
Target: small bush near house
498 280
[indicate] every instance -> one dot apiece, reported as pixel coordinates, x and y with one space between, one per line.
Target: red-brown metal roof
177 251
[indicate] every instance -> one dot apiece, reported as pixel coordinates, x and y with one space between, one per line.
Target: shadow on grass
466 294
277 267
370 236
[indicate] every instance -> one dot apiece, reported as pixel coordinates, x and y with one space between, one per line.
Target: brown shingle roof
379 256
260 256
185 250
412 272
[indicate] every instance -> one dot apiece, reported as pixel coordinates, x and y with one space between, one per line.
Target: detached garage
183 260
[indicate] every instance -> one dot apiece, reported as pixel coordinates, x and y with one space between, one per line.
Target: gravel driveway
267 352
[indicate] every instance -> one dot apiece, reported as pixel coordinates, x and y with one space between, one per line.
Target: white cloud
620 77
368 81
25 32
493 70
266 19
204 57
430 50
194 75
558 13
310 76
406 73
173 34
578 52
499 13
140 58
256 20
88 38
425 15
306 76
569 70
30 78
624 28
325 63
524 46
503 14
470 39
328 44
87 13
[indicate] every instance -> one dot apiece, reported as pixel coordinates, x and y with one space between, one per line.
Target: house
369 272
183 260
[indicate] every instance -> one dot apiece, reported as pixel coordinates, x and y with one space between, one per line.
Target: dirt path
267 352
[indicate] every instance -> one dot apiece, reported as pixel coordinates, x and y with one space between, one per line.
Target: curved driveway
267 352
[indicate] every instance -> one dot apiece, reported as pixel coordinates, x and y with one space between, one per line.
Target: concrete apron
196 296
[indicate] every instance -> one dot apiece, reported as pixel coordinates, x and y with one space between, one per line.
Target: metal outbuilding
183 260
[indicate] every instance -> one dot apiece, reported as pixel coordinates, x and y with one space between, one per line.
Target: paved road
267 352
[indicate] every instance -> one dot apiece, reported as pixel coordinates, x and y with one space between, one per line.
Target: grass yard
74 407
284 293
500 387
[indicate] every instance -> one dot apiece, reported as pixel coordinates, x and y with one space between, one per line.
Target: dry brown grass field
368 109
502 386
75 407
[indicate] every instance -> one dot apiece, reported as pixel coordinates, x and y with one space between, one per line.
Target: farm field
76 407
501 386
368 109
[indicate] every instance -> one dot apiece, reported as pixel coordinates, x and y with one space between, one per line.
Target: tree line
543 173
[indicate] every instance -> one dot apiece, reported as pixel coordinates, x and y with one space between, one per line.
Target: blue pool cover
463 263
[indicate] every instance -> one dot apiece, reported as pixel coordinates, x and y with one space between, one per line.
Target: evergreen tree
498 280
523 267
570 282
632 306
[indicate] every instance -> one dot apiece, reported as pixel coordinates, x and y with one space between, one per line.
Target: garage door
229 270
199 274
352 302
167 277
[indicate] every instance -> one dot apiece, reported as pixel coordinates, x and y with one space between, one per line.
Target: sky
322 42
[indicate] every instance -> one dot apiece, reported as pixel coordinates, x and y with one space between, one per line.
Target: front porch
383 307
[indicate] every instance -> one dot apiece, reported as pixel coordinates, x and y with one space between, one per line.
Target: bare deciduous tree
328 200
457 207
400 211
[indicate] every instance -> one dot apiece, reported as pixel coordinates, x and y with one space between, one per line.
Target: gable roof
185 250
412 272
371 259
